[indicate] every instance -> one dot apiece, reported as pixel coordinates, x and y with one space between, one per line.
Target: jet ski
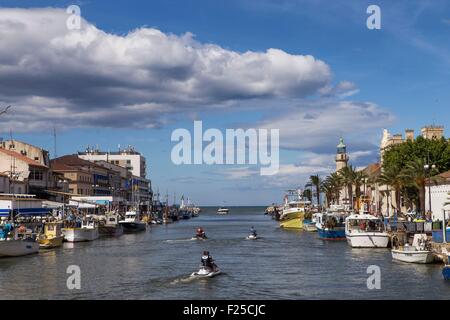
205 272
197 237
252 237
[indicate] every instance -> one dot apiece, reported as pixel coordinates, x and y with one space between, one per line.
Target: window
36 175
128 161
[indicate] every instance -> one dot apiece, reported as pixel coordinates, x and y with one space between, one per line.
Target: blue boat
331 226
446 270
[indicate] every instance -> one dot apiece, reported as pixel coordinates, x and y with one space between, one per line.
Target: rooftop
21 157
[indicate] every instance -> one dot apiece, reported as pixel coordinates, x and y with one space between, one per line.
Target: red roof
23 158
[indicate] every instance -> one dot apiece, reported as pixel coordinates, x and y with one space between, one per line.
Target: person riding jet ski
200 233
208 262
253 231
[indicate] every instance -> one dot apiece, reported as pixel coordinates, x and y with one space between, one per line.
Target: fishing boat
132 222
365 231
309 225
17 242
110 226
80 231
52 236
331 226
294 210
419 252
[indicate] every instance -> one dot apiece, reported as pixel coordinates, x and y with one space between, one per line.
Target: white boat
16 243
419 252
206 273
110 226
223 210
88 231
132 222
252 237
365 231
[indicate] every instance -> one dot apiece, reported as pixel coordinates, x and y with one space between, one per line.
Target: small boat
223 210
18 242
52 237
110 226
309 225
86 231
199 238
132 222
446 270
419 252
365 231
206 272
331 226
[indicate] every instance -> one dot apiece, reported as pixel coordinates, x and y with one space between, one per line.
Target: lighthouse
341 155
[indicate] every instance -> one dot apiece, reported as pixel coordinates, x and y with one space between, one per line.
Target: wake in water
180 240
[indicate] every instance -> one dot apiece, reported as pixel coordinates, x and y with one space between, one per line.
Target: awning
5 212
31 211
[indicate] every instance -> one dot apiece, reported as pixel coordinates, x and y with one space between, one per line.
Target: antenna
54 141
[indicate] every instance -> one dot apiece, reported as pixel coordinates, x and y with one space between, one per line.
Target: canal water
156 265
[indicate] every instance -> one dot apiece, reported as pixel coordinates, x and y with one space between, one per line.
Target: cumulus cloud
89 77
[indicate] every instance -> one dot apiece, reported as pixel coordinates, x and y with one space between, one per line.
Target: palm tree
316 182
393 177
415 175
327 189
334 183
348 175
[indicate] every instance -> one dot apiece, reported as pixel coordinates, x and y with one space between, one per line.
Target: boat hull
446 272
110 231
80 234
49 243
368 240
17 248
337 234
130 227
421 257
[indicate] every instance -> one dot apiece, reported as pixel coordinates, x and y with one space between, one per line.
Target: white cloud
103 79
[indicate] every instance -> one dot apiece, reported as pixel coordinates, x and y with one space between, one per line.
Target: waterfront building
132 161
440 188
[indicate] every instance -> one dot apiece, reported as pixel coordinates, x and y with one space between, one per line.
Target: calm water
282 265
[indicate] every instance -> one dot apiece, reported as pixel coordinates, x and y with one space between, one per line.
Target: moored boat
110 227
331 226
309 225
52 236
17 242
294 210
365 231
86 230
132 222
419 252
446 269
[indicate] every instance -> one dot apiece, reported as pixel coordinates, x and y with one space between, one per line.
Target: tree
348 175
333 184
393 177
307 194
316 182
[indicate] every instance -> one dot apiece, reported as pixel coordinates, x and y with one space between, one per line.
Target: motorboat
205 272
17 242
132 222
331 226
365 231
223 210
309 225
419 252
86 230
52 236
110 226
197 237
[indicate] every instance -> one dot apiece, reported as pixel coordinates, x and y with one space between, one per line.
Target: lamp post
428 168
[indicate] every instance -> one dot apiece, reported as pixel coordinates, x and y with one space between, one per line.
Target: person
201 233
253 231
207 261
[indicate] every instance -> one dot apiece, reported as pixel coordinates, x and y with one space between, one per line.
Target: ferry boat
294 210
419 252
52 237
365 231
331 226
110 226
86 230
132 222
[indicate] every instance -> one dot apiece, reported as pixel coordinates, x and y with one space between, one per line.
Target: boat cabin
364 223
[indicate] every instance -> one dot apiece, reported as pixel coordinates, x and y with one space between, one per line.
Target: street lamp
428 169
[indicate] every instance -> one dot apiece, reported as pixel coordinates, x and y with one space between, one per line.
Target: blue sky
397 78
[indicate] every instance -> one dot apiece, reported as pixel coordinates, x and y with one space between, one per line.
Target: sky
138 70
